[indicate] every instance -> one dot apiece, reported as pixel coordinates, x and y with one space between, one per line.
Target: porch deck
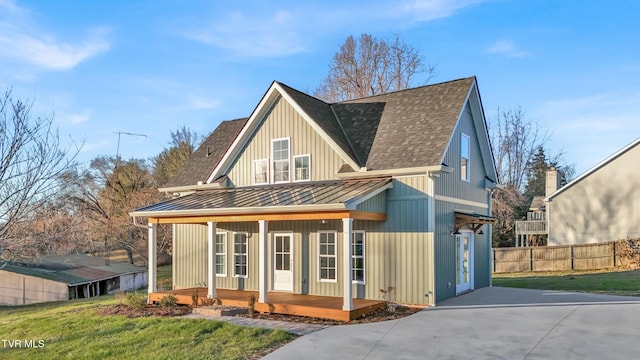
324 307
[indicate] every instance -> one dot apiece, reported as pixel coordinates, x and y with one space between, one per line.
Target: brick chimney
552 182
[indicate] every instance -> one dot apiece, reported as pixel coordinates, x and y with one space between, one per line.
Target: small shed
60 278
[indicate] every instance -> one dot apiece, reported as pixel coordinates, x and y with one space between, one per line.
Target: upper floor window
465 173
280 155
261 171
302 167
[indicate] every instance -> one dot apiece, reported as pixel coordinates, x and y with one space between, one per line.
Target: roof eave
241 211
420 170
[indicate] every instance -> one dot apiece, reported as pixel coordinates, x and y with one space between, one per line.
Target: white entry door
464 261
283 262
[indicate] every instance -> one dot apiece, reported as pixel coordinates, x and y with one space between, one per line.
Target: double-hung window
302 167
357 257
221 254
465 173
240 255
327 256
280 155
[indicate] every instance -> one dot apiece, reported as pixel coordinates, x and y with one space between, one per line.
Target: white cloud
76 119
278 33
201 103
263 36
425 10
24 43
507 48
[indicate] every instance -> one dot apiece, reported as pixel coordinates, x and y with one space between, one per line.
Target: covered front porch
323 307
271 255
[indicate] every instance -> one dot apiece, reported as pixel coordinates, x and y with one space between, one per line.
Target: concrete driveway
489 323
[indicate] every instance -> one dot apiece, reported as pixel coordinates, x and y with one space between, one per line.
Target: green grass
164 277
612 282
74 330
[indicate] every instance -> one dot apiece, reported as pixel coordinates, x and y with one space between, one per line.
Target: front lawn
611 282
74 330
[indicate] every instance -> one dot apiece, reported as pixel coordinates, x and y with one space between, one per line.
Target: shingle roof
322 114
74 269
202 162
413 126
337 192
402 129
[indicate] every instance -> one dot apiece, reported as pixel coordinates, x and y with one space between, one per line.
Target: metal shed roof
337 194
73 269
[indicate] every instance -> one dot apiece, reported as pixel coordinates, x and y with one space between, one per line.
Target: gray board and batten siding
395 250
413 250
449 190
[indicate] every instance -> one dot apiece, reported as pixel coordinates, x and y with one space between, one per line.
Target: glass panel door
282 262
464 261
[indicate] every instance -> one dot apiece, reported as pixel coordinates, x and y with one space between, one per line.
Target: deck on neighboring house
324 307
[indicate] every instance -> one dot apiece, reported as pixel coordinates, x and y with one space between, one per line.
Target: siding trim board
461 201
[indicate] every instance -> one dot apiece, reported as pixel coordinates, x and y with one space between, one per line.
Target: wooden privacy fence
553 258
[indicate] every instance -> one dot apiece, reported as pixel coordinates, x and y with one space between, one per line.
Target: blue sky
149 67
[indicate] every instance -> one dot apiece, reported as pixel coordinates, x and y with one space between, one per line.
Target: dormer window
465 174
302 167
280 155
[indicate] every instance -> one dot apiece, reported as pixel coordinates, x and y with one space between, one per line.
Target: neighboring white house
60 278
603 204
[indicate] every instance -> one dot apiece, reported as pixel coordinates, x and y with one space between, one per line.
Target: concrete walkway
490 323
288 326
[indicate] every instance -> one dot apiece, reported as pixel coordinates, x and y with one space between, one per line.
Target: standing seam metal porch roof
261 198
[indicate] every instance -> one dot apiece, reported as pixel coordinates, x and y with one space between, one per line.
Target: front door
464 261
283 262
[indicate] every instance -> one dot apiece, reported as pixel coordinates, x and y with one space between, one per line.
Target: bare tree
32 160
370 66
515 142
105 193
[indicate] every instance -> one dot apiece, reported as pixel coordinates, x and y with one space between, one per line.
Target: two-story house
337 200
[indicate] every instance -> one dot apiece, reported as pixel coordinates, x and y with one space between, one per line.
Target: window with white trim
327 256
357 257
302 167
261 171
465 142
221 254
240 255
280 155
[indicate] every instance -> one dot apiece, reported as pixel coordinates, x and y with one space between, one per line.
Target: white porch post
347 292
211 260
263 280
153 260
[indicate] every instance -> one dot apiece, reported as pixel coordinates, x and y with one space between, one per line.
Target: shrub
168 301
135 300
